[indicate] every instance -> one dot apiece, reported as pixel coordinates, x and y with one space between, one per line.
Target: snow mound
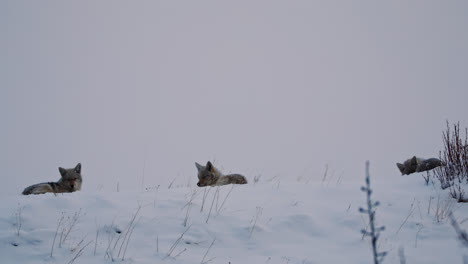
266 222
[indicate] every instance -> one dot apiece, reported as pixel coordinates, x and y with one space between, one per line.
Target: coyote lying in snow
70 182
210 176
418 165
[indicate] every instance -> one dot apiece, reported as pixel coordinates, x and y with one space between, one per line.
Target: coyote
210 176
418 165
70 182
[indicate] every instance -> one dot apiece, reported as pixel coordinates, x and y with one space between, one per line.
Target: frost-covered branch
374 232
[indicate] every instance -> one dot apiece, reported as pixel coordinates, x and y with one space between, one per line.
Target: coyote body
69 182
210 176
418 165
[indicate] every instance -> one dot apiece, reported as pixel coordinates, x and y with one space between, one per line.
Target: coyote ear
199 167
414 160
78 168
209 166
401 167
62 171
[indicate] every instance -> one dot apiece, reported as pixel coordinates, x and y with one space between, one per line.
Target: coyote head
71 178
207 175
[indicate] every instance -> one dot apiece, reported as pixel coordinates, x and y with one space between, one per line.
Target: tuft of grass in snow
174 246
443 209
123 245
55 236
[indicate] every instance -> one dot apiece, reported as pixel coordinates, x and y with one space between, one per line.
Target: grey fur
415 164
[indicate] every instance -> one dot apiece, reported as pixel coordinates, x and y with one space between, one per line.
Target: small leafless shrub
68 224
454 172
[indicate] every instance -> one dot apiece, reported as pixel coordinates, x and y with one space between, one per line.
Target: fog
137 91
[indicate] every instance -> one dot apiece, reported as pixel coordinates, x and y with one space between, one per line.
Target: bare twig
156 196
128 241
189 206
144 168
19 219
172 182
325 173
417 234
203 260
429 206
205 194
225 198
171 249
96 239
129 230
125 235
55 236
73 249
257 215
180 253
407 217
212 203
79 253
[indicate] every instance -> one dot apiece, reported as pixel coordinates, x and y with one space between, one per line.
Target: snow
271 221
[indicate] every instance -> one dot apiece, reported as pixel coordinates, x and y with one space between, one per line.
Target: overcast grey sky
277 88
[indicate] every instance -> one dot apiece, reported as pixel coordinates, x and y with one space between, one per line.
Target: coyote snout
418 165
210 176
69 182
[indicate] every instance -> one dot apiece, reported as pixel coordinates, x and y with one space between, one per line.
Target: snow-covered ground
271 221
